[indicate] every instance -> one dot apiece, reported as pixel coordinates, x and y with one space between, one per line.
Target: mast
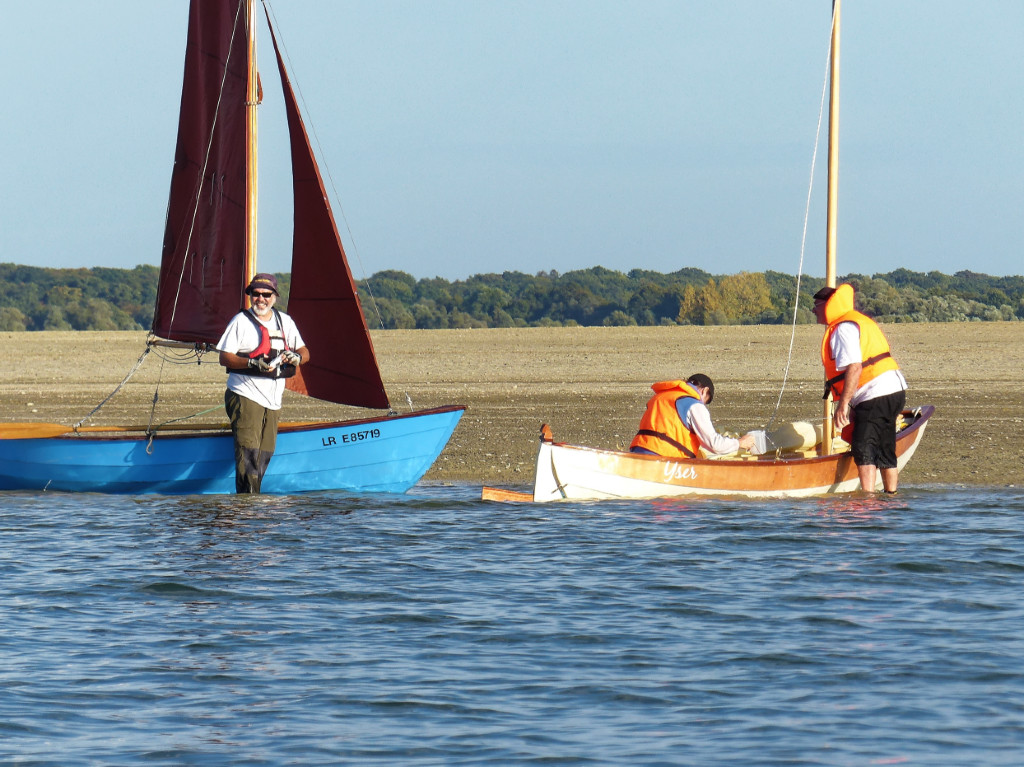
831 220
252 98
833 154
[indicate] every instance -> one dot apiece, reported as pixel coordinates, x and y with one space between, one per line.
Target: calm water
434 629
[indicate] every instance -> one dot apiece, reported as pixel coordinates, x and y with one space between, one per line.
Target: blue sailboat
208 258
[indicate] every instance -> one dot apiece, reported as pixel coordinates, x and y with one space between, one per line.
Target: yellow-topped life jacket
874 348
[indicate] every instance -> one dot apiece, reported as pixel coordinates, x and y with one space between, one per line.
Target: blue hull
375 455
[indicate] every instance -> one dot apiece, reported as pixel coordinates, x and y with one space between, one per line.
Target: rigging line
190 356
334 190
156 398
202 175
803 239
138 364
183 418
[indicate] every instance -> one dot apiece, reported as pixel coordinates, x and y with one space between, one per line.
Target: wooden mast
252 99
831 220
833 154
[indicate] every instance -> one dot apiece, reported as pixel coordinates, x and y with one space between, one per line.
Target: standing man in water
866 381
265 349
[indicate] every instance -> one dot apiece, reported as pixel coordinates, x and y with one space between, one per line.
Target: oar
500 494
45 430
30 430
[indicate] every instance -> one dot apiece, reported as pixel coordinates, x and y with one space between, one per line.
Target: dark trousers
254 428
874 430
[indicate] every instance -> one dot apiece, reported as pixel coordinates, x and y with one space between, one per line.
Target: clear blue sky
467 137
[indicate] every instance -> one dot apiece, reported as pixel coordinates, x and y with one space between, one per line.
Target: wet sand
589 384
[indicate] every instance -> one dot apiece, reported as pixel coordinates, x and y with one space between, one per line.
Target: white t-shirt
845 346
698 418
241 337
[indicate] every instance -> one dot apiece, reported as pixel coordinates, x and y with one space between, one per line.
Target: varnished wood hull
571 472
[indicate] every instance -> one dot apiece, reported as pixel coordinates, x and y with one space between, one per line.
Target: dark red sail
202 270
322 298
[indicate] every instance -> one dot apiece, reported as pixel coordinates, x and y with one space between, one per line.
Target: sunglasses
260 294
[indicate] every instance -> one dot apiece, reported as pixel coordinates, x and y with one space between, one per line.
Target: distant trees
739 299
600 296
35 298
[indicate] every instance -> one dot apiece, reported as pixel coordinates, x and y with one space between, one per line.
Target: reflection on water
860 507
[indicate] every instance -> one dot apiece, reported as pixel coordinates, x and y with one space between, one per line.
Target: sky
461 137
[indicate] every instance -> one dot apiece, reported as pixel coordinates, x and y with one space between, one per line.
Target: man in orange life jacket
677 422
260 348
865 379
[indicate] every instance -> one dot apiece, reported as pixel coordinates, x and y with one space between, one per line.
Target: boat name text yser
352 436
679 471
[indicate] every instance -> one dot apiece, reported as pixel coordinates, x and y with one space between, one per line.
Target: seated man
677 422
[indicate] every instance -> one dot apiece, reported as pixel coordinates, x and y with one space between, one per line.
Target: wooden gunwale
761 460
184 432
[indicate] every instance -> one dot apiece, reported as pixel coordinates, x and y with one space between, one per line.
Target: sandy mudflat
589 384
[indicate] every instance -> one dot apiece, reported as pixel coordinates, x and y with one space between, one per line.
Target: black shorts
874 430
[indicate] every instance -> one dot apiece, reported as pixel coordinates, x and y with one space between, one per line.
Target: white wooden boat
577 473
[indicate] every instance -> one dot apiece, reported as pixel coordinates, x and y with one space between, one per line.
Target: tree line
38 298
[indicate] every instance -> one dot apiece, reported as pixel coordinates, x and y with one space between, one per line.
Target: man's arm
700 421
303 354
238 362
846 351
851 381
233 361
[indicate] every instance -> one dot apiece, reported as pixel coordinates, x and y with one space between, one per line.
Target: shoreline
589 384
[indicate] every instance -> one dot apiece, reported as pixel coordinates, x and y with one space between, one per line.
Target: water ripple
435 629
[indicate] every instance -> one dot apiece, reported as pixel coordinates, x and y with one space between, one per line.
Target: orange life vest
662 431
874 348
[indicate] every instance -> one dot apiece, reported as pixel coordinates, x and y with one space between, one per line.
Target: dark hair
824 294
701 380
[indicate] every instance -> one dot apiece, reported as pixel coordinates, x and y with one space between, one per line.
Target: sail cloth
322 297
202 269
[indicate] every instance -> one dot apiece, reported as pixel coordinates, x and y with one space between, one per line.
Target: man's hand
291 358
851 381
260 364
842 417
